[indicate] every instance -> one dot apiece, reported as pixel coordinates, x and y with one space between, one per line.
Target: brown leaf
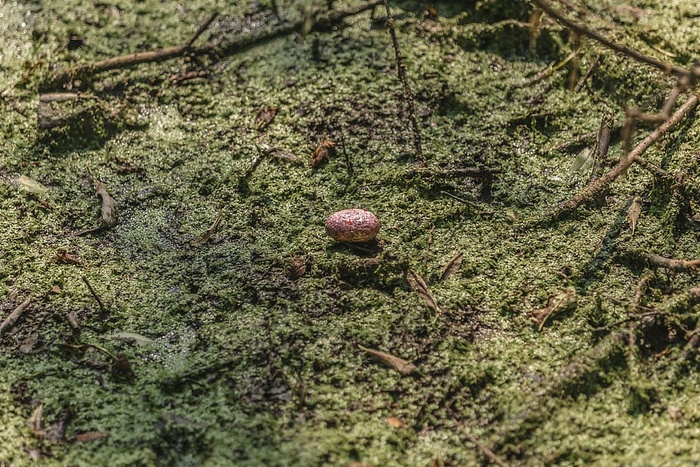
420 287
88 436
555 304
634 212
399 364
452 266
322 153
395 422
265 116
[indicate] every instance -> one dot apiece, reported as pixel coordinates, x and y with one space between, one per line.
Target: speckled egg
352 225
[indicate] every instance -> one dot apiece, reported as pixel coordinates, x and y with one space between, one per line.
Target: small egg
352 225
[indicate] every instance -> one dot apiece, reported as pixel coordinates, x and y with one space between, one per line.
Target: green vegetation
244 350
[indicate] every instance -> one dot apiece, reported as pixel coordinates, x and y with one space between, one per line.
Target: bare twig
691 75
12 318
486 451
678 265
88 70
410 98
201 30
597 186
97 298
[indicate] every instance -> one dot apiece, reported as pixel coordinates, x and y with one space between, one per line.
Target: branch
88 70
410 98
603 182
690 75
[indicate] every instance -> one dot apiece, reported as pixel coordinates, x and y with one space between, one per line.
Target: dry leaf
452 266
265 116
419 286
63 257
109 206
395 422
322 153
555 304
633 213
399 364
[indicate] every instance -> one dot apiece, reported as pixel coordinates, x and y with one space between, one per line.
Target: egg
352 225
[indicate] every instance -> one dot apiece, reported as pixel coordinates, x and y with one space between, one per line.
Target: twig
678 265
201 30
691 75
88 70
486 451
12 318
410 98
597 186
102 306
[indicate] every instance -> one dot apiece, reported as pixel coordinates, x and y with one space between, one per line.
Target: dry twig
12 318
410 98
66 75
596 187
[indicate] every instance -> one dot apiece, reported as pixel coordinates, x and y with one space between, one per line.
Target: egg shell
352 225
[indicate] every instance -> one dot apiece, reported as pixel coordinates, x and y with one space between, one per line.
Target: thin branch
678 265
486 451
690 75
201 30
88 70
410 98
97 298
597 186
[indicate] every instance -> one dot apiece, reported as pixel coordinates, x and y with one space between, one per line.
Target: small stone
352 225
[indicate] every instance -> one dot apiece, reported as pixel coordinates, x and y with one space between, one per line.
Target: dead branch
410 98
678 265
690 75
600 184
89 70
486 451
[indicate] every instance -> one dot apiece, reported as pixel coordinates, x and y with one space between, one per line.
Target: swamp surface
198 314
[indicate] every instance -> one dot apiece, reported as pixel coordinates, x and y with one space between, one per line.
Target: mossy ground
245 350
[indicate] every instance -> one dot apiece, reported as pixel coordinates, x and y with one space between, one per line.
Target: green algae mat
168 292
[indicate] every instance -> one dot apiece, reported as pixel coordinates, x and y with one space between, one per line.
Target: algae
245 350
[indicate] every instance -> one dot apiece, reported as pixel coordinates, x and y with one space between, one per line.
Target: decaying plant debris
534 167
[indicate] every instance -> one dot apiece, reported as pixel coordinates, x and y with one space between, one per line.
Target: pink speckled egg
352 225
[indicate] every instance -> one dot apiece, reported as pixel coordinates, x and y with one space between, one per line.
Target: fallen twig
691 75
102 306
88 70
410 98
486 451
653 260
600 184
12 318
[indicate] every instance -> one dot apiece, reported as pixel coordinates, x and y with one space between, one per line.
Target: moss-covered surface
244 350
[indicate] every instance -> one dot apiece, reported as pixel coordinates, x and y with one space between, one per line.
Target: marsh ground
244 349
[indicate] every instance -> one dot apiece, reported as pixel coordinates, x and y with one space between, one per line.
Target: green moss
245 349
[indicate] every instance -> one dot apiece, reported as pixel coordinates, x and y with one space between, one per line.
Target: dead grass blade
452 266
421 288
399 364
